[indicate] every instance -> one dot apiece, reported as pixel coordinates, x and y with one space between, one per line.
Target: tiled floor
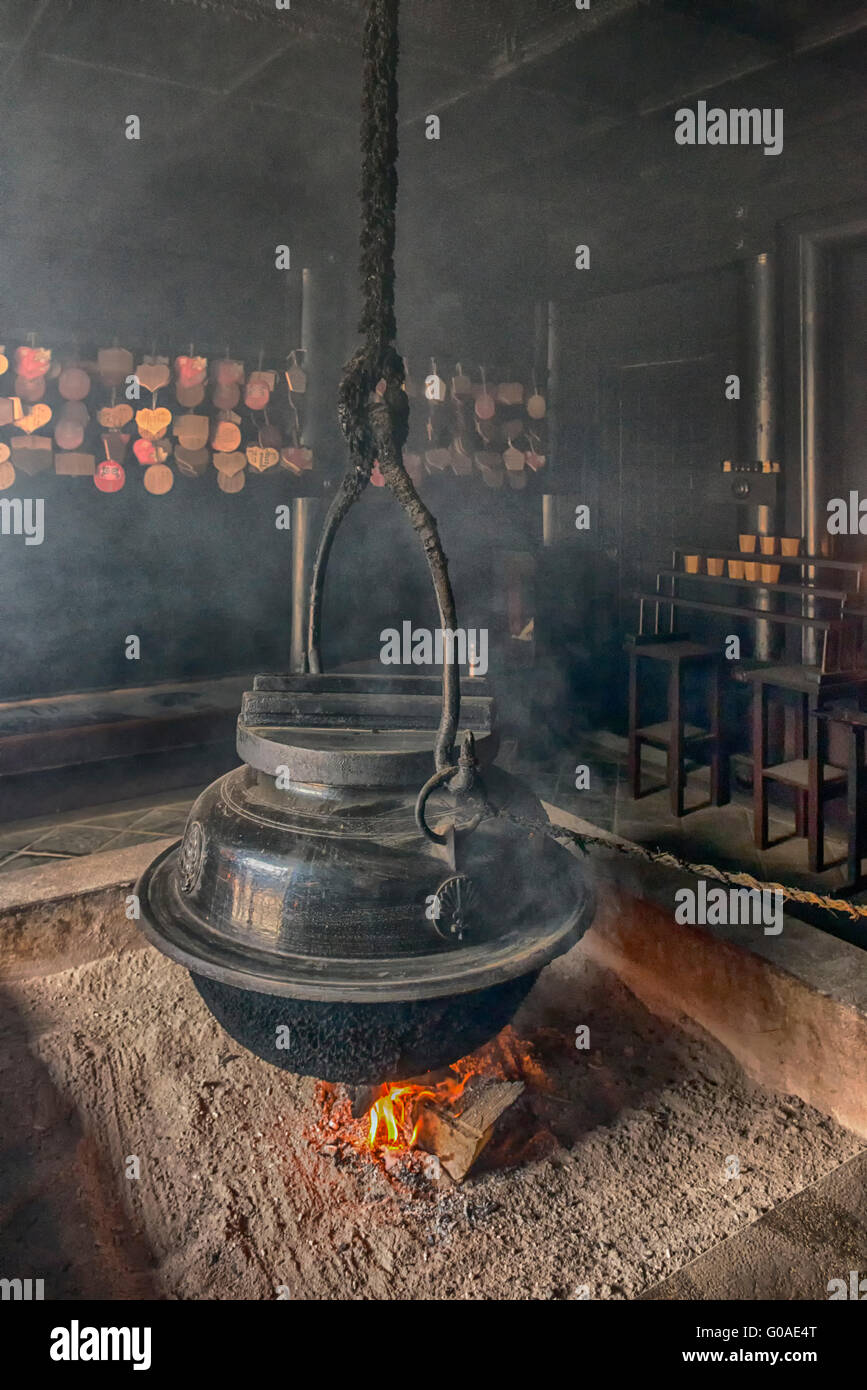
31 844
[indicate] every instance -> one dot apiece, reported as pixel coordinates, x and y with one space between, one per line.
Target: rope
373 408
630 850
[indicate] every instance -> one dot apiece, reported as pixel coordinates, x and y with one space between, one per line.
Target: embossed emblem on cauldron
191 857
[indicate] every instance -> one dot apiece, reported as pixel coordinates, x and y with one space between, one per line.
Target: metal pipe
812 512
761 424
304 509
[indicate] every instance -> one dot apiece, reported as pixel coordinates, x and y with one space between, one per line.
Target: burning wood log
458 1134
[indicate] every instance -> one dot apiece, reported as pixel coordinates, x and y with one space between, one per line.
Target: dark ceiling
249 117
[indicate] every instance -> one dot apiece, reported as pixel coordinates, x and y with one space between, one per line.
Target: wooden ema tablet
510 393
227 372
514 459
159 479
10 409
153 374
114 417
35 419
74 465
152 424
114 365
191 462
68 433
536 407
226 397
231 482
31 455
192 431
270 437
30 390
230 464
225 437
262 459
190 396
73 384
4 362
296 379
7 475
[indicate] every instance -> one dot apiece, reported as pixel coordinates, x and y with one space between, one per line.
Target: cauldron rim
374 980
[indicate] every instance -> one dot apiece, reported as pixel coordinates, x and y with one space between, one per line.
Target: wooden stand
674 734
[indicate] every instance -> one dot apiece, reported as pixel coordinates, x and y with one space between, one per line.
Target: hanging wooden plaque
114 417
226 397
510 393
31 455
74 465
4 452
35 419
153 373
73 383
192 462
227 372
536 407
159 480
297 460
514 459
153 424
68 433
192 431
230 464
190 396
114 365
4 363
271 437
7 475
231 482
30 389
225 437
258 389
10 409
262 459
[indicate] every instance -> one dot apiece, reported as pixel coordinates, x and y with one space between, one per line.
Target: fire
394 1124
396 1112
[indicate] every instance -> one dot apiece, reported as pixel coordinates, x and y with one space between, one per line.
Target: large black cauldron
324 932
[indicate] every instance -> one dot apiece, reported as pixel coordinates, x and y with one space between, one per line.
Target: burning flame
396 1111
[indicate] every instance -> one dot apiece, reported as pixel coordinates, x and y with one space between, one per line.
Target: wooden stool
674 734
855 723
813 779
